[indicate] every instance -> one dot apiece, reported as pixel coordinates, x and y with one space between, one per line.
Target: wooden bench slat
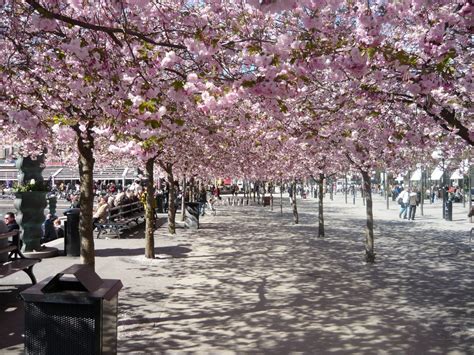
17 261
8 234
13 266
121 217
8 249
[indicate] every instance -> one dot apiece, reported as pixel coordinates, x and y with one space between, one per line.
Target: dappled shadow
12 317
255 282
251 281
174 251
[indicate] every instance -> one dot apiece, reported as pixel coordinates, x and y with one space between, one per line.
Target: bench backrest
8 234
5 247
123 211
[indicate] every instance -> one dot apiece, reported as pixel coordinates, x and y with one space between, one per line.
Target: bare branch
111 31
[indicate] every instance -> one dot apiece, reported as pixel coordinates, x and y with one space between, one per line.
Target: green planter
30 216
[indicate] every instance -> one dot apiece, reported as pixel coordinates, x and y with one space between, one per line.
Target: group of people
51 227
121 198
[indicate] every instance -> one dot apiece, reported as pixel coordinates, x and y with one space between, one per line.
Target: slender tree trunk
295 208
247 188
362 194
321 206
271 197
258 194
422 202
86 172
281 197
331 191
369 231
346 188
149 211
171 198
183 211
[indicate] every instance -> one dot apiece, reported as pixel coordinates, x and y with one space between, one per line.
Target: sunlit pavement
250 280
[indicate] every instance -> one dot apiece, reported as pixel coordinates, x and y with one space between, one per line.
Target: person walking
202 199
413 202
403 199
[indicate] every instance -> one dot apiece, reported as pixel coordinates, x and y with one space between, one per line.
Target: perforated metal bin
74 312
191 219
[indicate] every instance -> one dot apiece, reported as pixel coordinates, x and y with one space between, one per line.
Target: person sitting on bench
10 221
100 215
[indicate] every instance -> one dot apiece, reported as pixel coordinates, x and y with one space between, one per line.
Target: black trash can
448 210
191 219
72 240
72 315
266 201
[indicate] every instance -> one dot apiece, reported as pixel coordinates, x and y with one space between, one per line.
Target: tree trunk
183 211
295 209
320 206
369 231
271 197
86 161
346 188
281 197
331 191
171 201
150 211
258 194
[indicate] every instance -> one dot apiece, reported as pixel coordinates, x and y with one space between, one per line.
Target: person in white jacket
413 202
404 199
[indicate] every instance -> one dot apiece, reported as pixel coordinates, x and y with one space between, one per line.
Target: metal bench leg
29 272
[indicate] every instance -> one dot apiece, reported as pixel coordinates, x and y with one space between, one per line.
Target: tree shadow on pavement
12 318
173 251
269 286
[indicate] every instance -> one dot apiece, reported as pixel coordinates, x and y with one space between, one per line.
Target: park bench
121 217
16 260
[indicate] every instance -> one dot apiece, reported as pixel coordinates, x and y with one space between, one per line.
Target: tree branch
111 31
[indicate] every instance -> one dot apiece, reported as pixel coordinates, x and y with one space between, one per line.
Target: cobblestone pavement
250 280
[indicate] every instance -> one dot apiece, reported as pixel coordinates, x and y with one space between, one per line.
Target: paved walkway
251 281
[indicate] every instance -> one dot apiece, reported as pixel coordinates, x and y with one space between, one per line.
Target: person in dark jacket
202 201
10 221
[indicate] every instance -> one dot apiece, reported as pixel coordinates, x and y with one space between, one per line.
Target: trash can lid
72 211
83 286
